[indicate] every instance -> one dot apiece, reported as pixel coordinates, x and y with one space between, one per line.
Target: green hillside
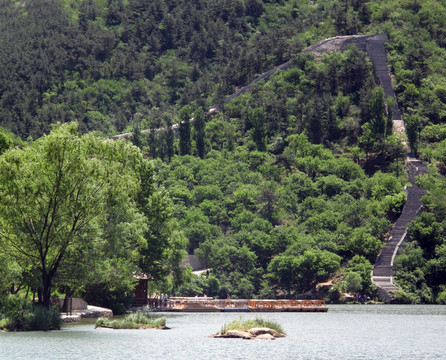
294 183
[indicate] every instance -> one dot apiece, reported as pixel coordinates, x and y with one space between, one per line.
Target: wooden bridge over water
206 304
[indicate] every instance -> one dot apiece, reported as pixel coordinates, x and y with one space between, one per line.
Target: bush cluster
18 314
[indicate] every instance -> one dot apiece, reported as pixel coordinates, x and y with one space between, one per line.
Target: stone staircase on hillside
374 45
378 56
382 275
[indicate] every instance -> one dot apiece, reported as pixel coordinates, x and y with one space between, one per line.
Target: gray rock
265 337
259 331
238 334
277 334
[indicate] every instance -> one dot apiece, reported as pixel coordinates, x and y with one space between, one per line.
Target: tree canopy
68 202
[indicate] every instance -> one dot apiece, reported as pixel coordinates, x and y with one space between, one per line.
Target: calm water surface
345 332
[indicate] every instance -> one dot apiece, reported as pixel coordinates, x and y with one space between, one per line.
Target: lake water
344 332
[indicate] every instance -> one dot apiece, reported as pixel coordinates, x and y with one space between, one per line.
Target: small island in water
251 329
133 321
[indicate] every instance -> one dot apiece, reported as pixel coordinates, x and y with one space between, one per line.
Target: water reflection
345 332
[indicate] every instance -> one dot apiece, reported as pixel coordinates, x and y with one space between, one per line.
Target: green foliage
377 113
271 178
362 243
441 299
199 126
65 196
353 282
427 232
433 133
44 319
301 273
135 320
362 267
412 129
419 278
20 315
184 117
401 297
254 230
5 141
116 297
256 118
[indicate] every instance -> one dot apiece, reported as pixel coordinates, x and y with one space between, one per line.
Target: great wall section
374 46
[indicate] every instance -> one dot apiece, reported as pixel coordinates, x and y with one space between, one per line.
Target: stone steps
382 275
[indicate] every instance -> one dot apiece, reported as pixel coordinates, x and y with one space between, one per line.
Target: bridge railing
245 303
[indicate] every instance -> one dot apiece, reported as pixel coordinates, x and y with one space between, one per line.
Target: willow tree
57 196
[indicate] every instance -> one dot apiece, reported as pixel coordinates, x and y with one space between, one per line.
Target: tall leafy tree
199 125
412 128
55 197
184 129
163 246
169 138
377 113
257 119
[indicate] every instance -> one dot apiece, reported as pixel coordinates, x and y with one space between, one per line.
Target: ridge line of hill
337 43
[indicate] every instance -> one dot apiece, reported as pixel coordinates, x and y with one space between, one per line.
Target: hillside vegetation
291 184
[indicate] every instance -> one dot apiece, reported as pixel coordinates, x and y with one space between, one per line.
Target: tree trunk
46 290
68 294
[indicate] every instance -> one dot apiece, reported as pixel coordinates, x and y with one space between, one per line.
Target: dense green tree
5 141
184 117
302 273
199 134
377 114
427 232
412 129
55 197
256 118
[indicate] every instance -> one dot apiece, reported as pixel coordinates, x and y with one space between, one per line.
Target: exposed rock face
251 334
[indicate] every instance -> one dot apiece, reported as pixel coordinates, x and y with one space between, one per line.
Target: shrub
402 297
17 312
20 315
45 319
353 282
441 298
133 321
336 291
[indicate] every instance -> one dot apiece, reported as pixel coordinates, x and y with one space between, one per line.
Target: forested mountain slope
290 184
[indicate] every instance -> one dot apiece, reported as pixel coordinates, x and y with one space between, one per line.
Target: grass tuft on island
257 328
133 321
250 324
